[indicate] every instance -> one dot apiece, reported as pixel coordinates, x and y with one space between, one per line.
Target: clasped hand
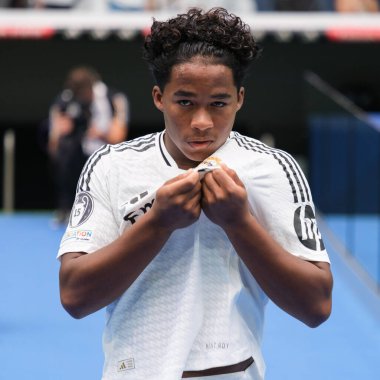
220 194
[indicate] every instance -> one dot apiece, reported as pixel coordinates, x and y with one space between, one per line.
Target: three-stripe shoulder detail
297 182
140 144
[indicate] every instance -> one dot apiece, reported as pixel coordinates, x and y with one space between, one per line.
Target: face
199 104
85 95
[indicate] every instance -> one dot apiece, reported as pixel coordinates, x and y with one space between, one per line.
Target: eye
219 104
184 102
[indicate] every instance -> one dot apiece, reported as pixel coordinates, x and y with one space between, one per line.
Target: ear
240 98
157 98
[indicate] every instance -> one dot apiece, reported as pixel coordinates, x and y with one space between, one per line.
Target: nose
202 120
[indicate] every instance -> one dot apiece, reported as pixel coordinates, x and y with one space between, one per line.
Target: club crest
82 209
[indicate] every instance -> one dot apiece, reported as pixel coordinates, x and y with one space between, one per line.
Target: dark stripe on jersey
281 157
162 151
300 174
91 166
143 143
135 143
142 149
249 145
294 168
88 164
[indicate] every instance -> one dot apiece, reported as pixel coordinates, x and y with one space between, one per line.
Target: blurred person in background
85 116
346 6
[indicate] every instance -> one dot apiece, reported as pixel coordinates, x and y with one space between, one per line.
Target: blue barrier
344 165
344 172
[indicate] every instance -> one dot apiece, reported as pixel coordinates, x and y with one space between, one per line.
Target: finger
208 196
196 198
232 174
211 181
179 177
222 179
235 177
192 205
195 191
184 183
206 191
211 189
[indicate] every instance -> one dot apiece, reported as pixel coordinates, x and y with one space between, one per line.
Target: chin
198 157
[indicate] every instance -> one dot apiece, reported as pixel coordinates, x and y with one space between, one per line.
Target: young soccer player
186 260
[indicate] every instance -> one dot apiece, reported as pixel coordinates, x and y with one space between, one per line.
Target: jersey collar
168 159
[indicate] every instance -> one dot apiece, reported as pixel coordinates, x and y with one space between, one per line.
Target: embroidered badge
82 209
208 165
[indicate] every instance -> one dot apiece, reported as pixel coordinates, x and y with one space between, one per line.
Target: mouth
199 143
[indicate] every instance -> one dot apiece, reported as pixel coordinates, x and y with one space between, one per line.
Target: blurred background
315 93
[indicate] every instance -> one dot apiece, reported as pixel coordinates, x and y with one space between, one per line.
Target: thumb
232 174
184 175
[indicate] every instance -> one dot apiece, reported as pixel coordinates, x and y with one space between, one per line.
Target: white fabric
196 305
102 115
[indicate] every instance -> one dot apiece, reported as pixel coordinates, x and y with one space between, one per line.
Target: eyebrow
190 94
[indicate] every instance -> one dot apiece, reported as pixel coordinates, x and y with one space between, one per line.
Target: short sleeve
280 198
92 224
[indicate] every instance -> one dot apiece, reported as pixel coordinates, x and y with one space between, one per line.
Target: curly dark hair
216 34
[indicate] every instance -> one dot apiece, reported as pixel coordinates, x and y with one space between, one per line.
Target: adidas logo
126 364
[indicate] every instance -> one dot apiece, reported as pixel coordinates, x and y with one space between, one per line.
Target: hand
64 125
224 197
177 203
94 133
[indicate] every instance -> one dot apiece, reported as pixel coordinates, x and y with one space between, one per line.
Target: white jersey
196 305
